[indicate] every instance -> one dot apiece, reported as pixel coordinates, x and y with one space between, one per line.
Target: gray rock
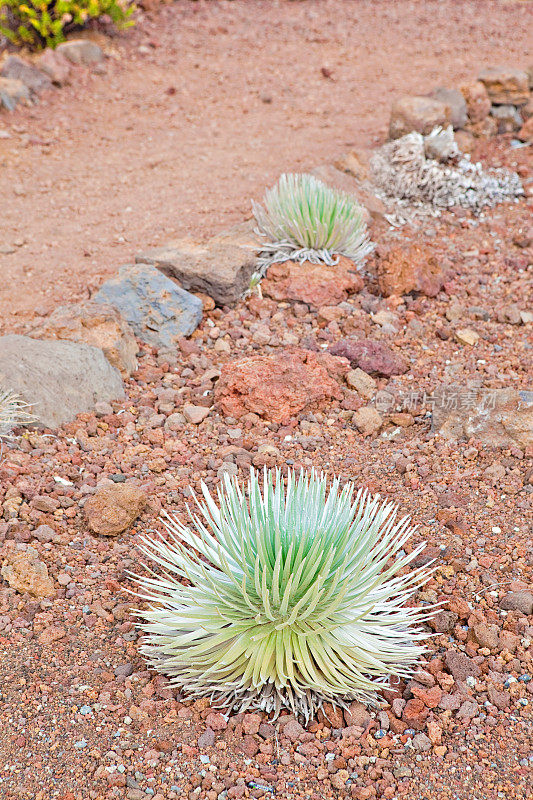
17 69
81 51
221 268
508 118
159 311
55 65
496 417
13 92
60 379
455 100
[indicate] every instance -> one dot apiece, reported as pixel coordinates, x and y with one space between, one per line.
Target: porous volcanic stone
159 311
220 268
59 379
497 417
421 114
506 85
96 324
525 134
17 69
317 285
370 355
414 269
113 508
461 666
25 573
275 387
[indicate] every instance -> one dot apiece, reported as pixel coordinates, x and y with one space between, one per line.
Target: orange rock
113 508
315 284
415 269
276 387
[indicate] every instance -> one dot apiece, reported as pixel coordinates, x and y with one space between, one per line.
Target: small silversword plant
13 413
288 596
302 219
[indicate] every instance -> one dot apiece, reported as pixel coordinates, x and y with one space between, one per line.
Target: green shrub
38 24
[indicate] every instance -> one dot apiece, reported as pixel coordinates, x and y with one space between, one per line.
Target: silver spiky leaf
303 219
283 597
13 413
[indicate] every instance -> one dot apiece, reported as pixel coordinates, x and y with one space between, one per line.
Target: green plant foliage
13 413
40 23
283 597
303 218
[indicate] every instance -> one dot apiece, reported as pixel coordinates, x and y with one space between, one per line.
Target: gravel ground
83 718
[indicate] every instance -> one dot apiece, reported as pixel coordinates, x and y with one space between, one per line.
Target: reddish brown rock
421 114
499 699
331 716
25 573
216 721
357 714
486 635
461 666
367 420
315 284
370 355
96 324
477 100
506 85
415 269
415 712
275 387
431 697
525 134
113 508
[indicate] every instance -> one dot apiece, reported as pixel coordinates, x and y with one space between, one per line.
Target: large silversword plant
285 596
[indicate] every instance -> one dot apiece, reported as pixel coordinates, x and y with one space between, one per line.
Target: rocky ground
82 717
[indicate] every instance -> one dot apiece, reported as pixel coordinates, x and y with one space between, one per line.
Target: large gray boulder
159 311
221 268
59 379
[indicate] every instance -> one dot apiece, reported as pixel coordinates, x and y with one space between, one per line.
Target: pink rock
371 356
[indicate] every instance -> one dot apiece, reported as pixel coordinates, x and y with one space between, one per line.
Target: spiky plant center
303 219
293 597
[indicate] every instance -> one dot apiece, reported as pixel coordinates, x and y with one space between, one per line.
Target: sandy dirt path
200 108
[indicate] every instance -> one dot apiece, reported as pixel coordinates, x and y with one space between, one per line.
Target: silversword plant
13 413
285 596
302 219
